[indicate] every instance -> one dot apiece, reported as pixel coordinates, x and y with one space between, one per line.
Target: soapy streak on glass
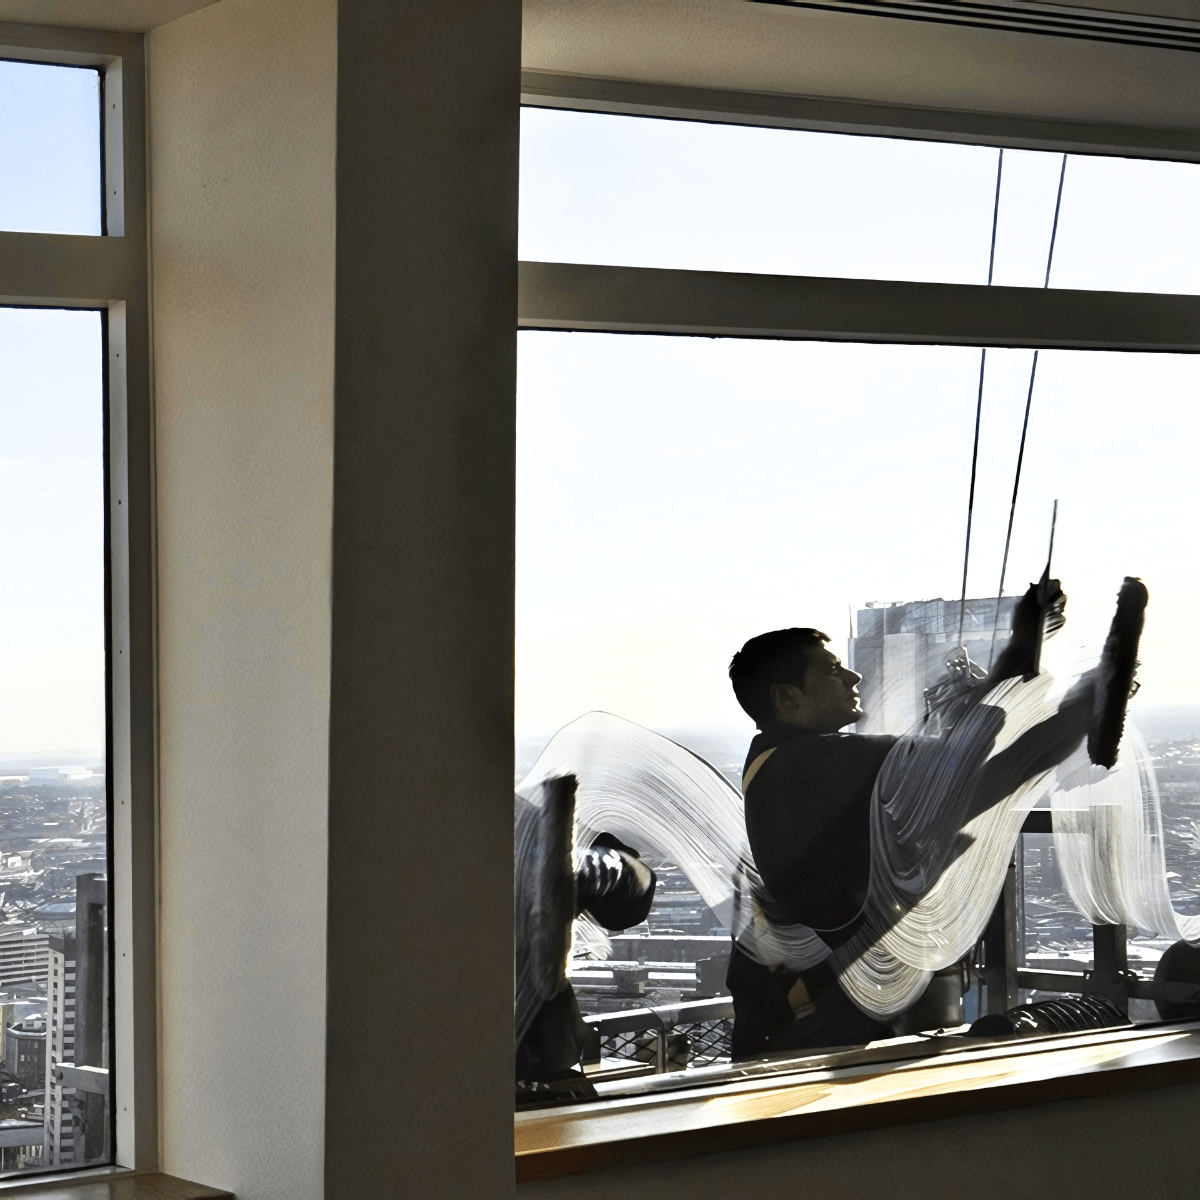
632 191
50 148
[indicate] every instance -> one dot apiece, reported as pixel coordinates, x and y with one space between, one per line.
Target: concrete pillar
420 1038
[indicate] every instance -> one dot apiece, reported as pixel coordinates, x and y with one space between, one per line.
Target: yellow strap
754 767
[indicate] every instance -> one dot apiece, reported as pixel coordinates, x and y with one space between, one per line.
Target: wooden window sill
119 1185
805 1101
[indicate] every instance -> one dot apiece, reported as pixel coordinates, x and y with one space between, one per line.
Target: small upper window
627 191
50 148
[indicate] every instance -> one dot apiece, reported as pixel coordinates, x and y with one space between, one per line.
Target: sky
51 414
679 495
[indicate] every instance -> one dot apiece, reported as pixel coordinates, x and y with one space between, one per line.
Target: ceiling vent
1169 24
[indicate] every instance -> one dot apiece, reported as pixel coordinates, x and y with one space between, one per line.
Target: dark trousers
764 1021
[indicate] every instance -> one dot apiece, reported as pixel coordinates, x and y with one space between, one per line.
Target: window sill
112 1184
806 1101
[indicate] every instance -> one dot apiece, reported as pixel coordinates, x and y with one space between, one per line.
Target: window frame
587 297
109 273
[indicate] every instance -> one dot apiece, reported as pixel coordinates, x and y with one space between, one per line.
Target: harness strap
755 767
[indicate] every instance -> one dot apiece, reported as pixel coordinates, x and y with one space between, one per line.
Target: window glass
678 496
50 148
633 191
53 759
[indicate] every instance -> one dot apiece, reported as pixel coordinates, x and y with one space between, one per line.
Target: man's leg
836 1021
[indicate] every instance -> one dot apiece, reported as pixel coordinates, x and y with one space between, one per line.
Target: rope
1012 510
962 603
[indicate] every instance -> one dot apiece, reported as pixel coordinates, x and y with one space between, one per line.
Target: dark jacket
808 814
808 821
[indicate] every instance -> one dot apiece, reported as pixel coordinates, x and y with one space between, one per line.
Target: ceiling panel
117 16
767 48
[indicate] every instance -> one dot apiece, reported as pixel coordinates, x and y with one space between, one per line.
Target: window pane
53 769
683 194
50 148
678 496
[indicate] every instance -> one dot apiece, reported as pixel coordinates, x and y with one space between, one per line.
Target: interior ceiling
772 48
116 16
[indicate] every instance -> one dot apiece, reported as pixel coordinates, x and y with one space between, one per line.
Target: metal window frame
825 114
599 299
110 273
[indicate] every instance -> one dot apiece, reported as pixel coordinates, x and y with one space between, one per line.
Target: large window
54 765
679 495
76 780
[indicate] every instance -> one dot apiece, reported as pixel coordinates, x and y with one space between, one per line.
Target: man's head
789 675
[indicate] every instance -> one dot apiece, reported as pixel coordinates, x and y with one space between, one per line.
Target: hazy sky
678 495
49 148
51 483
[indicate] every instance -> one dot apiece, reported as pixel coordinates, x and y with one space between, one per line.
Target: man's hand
599 874
1039 612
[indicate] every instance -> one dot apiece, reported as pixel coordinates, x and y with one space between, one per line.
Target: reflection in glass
50 148
54 972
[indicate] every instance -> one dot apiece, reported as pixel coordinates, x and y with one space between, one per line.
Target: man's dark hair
781 656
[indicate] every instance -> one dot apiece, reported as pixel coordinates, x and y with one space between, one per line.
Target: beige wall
1073 1150
242 100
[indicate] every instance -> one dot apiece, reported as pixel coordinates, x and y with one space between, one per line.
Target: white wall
242 108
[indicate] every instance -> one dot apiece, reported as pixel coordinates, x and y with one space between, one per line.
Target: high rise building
25 1052
62 1106
901 650
22 955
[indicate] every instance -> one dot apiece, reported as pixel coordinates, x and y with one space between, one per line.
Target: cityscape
53 963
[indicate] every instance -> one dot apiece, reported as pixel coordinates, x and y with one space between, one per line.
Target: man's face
829 699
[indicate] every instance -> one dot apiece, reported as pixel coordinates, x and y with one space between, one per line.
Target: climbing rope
962 604
1012 510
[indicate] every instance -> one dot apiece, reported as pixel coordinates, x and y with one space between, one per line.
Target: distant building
901 649
25 1052
23 955
62 1106
14 863
64 911
73 774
